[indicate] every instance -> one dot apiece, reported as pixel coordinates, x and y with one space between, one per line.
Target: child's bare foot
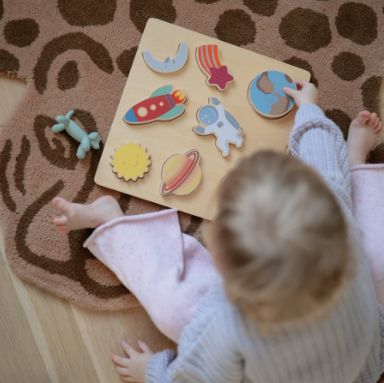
361 136
76 216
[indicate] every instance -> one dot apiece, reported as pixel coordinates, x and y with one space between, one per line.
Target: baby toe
371 121
60 221
59 203
379 128
363 116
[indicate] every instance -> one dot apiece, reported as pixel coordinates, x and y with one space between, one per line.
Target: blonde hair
280 239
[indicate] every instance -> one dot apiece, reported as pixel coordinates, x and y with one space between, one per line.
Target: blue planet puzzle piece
266 90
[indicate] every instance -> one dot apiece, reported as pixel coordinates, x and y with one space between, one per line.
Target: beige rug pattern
77 55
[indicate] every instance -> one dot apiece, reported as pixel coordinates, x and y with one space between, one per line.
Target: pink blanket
166 270
368 201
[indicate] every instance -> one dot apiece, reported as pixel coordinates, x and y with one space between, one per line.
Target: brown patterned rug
77 55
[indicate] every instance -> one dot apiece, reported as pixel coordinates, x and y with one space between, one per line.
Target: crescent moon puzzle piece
266 95
162 105
181 174
221 123
208 60
168 66
130 161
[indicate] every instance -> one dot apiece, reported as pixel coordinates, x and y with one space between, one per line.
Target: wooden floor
47 339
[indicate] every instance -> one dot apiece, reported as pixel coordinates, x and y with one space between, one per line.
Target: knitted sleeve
206 354
317 141
157 368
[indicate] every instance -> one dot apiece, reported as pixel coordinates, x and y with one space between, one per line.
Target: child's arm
207 352
204 357
319 142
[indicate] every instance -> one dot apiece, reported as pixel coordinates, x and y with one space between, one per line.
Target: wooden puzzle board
163 139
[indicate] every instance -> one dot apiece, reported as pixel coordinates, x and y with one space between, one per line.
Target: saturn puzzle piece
208 59
266 95
162 105
130 161
221 123
168 66
181 174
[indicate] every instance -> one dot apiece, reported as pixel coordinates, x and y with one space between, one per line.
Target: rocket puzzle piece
162 105
208 59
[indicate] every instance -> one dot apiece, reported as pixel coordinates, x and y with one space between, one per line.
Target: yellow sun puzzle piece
130 161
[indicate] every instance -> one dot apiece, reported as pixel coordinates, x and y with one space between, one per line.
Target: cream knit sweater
219 345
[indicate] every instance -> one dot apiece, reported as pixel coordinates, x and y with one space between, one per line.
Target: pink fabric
368 201
166 270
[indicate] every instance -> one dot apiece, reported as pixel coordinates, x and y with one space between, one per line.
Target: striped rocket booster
163 104
208 59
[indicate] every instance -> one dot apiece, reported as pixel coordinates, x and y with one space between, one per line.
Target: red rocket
163 105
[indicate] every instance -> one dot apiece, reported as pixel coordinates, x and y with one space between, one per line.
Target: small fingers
119 360
301 83
127 348
289 91
144 347
122 371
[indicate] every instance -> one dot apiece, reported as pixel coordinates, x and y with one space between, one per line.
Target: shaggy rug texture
77 55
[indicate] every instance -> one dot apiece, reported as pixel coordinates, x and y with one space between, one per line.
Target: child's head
279 240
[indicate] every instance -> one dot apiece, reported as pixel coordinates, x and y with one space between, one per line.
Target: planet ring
190 170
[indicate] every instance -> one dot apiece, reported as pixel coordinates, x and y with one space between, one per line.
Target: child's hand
132 369
306 93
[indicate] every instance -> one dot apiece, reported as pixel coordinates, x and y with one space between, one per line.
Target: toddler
289 297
